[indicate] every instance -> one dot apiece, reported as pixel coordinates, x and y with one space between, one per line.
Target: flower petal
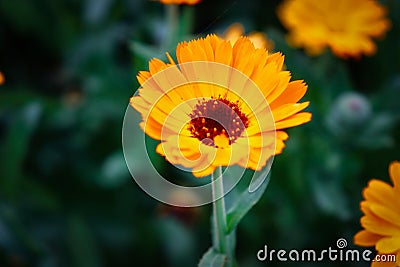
388 244
379 226
295 120
381 193
394 172
386 213
365 238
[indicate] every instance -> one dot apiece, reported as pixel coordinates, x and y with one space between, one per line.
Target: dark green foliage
66 196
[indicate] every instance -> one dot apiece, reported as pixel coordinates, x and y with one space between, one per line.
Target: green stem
221 240
172 20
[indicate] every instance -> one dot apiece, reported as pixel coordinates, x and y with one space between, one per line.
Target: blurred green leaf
18 230
377 133
212 259
95 11
244 203
186 23
178 242
39 196
81 242
143 51
330 197
114 171
15 147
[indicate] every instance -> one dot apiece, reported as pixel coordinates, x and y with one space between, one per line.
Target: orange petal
379 226
284 78
297 119
258 158
288 110
388 244
198 172
233 32
293 93
398 258
381 193
242 56
278 58
364 206
143 76
387 214
223 53
279 146
365 238
394 172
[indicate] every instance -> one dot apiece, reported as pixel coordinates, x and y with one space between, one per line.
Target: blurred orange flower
259 39
347 27
180 2
381 220
2 78
220 106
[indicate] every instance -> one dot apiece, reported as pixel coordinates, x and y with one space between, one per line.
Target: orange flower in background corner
237 119
259 39
346 27
180 2
2 78
381 220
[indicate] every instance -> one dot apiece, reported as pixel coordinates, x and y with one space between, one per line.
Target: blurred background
66 195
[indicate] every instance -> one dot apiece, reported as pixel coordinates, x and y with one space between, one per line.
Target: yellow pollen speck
221 141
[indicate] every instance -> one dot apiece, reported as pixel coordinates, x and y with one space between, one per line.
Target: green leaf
11 219
329 195
178 242
246 201
143 51
16 145
259 178
212 259
39 196
186 22
82 243
113 171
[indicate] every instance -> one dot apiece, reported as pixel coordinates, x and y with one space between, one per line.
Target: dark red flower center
216 116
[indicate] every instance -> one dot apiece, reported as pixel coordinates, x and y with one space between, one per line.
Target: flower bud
348 113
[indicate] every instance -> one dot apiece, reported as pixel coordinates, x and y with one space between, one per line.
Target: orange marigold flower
259 39
347 27
222 105
2 78
180 2
381 220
